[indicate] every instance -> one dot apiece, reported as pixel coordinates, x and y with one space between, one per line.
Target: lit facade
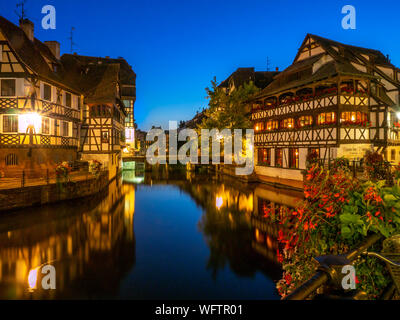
39 113
55 109
335 99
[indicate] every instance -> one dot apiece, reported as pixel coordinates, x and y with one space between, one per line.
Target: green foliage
338 213
228 110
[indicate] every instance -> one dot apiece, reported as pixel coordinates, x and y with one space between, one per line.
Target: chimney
54 47
277 69
27 26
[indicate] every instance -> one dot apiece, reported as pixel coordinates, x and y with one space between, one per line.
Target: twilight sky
177 46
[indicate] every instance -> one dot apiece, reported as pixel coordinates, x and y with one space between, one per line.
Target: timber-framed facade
335 99
39 111
55 109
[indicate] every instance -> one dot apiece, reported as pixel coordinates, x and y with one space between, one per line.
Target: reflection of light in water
219 202
32 278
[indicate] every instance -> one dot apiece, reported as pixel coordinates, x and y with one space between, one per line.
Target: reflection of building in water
266 201
73 238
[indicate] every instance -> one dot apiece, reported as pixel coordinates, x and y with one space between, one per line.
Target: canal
149 236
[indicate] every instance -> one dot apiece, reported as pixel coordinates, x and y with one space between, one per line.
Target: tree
228 110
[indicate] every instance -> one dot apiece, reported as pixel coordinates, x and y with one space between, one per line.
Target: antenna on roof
268 63
21 15
71 39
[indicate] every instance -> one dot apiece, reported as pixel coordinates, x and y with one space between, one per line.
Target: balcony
40 106
37 140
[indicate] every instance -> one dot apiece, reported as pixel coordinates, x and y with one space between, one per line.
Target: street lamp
29 122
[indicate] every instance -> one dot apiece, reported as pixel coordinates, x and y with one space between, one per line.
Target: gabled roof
244 75
302 71
127 75
31 54
98 82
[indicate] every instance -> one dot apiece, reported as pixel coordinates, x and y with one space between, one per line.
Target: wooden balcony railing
40 106
36 140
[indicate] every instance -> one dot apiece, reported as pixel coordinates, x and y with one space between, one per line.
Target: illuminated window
45 125
10 124
259 127
305 121
272 125
47 92
327 118
264 156
8 87
294 158
278 158
314 150
104 137
353 117
288 123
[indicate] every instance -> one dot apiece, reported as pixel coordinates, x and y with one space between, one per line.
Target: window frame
15 87
10 124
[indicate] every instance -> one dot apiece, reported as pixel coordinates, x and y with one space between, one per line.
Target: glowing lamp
398 115
32 278
29 120
219 202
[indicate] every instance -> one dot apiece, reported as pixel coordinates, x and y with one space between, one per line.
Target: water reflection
194 236
73 238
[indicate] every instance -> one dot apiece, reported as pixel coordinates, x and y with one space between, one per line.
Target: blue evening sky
177 46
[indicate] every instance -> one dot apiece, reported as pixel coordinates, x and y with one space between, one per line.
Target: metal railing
326 273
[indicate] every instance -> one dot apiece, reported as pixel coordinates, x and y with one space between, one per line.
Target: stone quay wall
17 198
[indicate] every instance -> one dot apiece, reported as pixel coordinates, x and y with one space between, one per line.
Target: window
45 125
11 159
259 126
47 92
104 137
393 154
288 123
264 157
272 125
353 117
56 127
305 121
327 118
65 128
8 87
294 158
315 151
10 124
278 158
68 99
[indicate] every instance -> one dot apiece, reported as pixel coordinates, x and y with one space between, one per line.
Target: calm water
156 237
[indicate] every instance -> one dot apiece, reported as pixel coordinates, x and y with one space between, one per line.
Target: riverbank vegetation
336 216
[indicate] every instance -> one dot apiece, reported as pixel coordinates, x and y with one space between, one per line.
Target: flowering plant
62 170
95 167
337 214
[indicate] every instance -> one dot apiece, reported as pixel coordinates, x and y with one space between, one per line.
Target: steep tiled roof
127 75
32 53
302 72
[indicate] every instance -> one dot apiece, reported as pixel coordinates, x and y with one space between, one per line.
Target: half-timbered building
55 109
103 112
39 110
336 99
